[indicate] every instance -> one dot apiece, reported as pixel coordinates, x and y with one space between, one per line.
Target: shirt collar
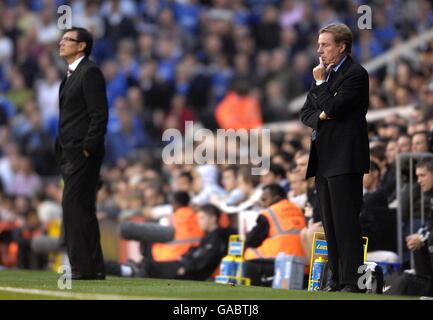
339 64
75 64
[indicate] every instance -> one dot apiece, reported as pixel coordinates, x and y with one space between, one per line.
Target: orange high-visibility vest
237 112
286 221
187 233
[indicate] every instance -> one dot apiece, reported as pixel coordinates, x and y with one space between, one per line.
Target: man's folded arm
309 115
340 103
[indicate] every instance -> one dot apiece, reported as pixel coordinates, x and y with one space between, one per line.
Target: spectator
388 178
276 174
249 186
265 240
238 110
420 142
127 138
404 144
420 242
376 221
47 92
198 263
26 182
206 184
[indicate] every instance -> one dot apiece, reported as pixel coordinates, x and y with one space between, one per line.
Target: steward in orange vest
239 109
278 227
277 230
187 232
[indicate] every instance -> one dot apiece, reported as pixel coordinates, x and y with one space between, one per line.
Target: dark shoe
352 289
112 268
96 276
330 288
136 270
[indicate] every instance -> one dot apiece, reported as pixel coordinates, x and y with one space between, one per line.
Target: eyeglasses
69 39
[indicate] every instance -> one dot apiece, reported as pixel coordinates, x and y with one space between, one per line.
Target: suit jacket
83 113
341 144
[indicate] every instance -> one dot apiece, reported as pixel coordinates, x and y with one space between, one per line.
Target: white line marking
75 295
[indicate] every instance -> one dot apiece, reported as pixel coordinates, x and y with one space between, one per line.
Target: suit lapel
338 76
66 82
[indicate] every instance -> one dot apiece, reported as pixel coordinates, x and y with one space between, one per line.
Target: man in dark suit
335 109
80 150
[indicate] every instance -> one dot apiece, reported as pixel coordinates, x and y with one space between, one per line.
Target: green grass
17 284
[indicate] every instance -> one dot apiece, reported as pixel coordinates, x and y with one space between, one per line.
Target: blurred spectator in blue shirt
187 13
367 47
384 31
222 76
117 83
7 110
129 137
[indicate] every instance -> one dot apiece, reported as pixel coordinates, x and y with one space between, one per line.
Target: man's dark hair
277 170
374 167
210 210
404 135
426 163
287 157
276 190
251 179
186 174
181 198
378 151
341 33
241 86
83 36
428 138
424 133
233 168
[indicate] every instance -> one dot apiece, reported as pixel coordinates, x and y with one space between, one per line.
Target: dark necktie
331 75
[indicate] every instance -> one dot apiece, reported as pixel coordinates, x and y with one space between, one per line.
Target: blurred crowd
221 63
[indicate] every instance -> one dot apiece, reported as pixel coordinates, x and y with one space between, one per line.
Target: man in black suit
80 150
335 109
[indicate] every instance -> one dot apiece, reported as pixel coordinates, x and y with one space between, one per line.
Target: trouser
80 225
260 271
340 201
423 259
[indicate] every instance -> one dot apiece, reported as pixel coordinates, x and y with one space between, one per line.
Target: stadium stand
166 62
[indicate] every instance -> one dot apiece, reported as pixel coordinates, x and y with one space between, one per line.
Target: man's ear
82 46
342 47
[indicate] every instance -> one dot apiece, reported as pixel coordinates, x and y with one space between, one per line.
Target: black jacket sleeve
310 113
202 261
335 104
258 234
94 90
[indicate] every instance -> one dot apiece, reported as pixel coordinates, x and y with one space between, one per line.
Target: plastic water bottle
228 266
318 266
